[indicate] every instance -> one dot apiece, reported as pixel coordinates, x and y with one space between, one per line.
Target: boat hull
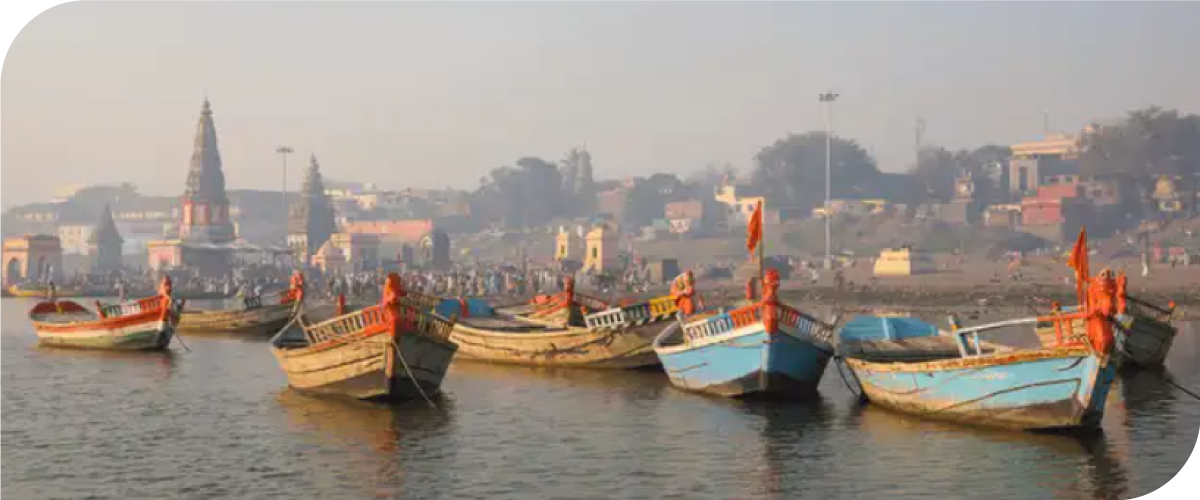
1046 389
148 335
264 320
747 362
1144 342
368 368
622 348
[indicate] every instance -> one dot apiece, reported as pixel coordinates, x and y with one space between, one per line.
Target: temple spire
106 230
205 177
105 243
205 205
313 220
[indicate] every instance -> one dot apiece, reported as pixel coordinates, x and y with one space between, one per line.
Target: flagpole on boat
762 237
754 241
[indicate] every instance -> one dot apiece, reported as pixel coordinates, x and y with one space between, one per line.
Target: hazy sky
437 94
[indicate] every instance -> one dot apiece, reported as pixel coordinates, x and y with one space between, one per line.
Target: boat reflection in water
644 384
143 365
796 444
955 461
363 443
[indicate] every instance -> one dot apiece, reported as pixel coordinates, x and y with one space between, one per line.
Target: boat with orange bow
144 324
764 349
1144 332
908 365
563 334
386 351
263 314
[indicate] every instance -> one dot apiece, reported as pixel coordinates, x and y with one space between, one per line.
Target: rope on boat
855 389
1166 377
175 334
1171 380
296 311
411 377
841 366
179 337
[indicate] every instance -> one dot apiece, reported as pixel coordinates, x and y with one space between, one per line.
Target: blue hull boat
913 369
736 353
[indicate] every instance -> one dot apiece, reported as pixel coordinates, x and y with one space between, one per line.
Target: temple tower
105 243
312 221
205 205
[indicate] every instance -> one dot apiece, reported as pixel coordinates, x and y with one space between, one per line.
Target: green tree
524 195
647 199
1146 144
938 168
793 169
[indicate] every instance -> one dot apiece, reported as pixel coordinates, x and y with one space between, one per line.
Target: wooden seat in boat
914 349
503 324
67 317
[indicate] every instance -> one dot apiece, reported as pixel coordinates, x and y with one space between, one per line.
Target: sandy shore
980 286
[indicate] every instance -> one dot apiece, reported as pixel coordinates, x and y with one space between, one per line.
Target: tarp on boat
475 307
877 328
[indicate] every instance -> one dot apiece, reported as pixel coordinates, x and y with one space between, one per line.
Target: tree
528 194
647 199
1148 143
578 186
793 169
938 168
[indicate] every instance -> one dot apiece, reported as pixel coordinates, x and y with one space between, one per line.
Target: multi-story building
1034 163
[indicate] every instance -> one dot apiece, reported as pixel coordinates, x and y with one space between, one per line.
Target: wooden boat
1144 331
386 351
265 314
765 349
957 377
908 365
564 308
39 290
617 337
145 324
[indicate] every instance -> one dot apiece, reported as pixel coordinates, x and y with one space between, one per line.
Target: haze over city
630 243
438 94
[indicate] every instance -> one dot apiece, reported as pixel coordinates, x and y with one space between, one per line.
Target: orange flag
754 229
1079 262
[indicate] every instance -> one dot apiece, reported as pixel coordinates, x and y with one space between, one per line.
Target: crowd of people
490 280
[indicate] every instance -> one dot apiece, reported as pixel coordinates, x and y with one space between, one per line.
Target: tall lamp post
283 152
828 98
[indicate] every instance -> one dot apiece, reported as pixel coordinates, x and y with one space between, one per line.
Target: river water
218 421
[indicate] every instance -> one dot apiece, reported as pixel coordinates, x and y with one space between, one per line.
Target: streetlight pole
828 99
283 151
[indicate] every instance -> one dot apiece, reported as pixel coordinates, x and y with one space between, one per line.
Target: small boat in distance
263 314
41 290
765 349
386 351
144 324
562 308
